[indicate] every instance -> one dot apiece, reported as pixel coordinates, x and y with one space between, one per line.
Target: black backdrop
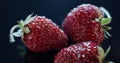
12 11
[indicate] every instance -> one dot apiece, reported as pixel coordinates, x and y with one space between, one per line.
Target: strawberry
39 34
85 52
87 23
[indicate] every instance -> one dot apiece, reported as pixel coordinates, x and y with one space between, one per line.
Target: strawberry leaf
107 28
105 21
108 34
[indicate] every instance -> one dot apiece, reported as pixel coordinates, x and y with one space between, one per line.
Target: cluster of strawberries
85 26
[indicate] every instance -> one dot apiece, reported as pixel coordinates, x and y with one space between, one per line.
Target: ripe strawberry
85 52
39 34
84 23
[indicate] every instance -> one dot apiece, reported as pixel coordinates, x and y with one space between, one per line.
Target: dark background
12 11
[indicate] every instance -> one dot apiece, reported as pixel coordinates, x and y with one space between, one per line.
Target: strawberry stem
100 18
26 30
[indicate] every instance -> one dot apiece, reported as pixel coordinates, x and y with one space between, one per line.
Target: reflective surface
14 10
31 57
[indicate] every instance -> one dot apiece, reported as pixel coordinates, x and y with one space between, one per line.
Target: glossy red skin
44 36
80 24
85 52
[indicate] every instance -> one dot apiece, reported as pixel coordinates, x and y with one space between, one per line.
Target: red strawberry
84 23
39 34
85 52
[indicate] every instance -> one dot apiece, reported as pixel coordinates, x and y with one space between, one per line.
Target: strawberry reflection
32 57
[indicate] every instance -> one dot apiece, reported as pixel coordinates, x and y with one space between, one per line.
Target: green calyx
21 24
21 28
102 53
105 21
